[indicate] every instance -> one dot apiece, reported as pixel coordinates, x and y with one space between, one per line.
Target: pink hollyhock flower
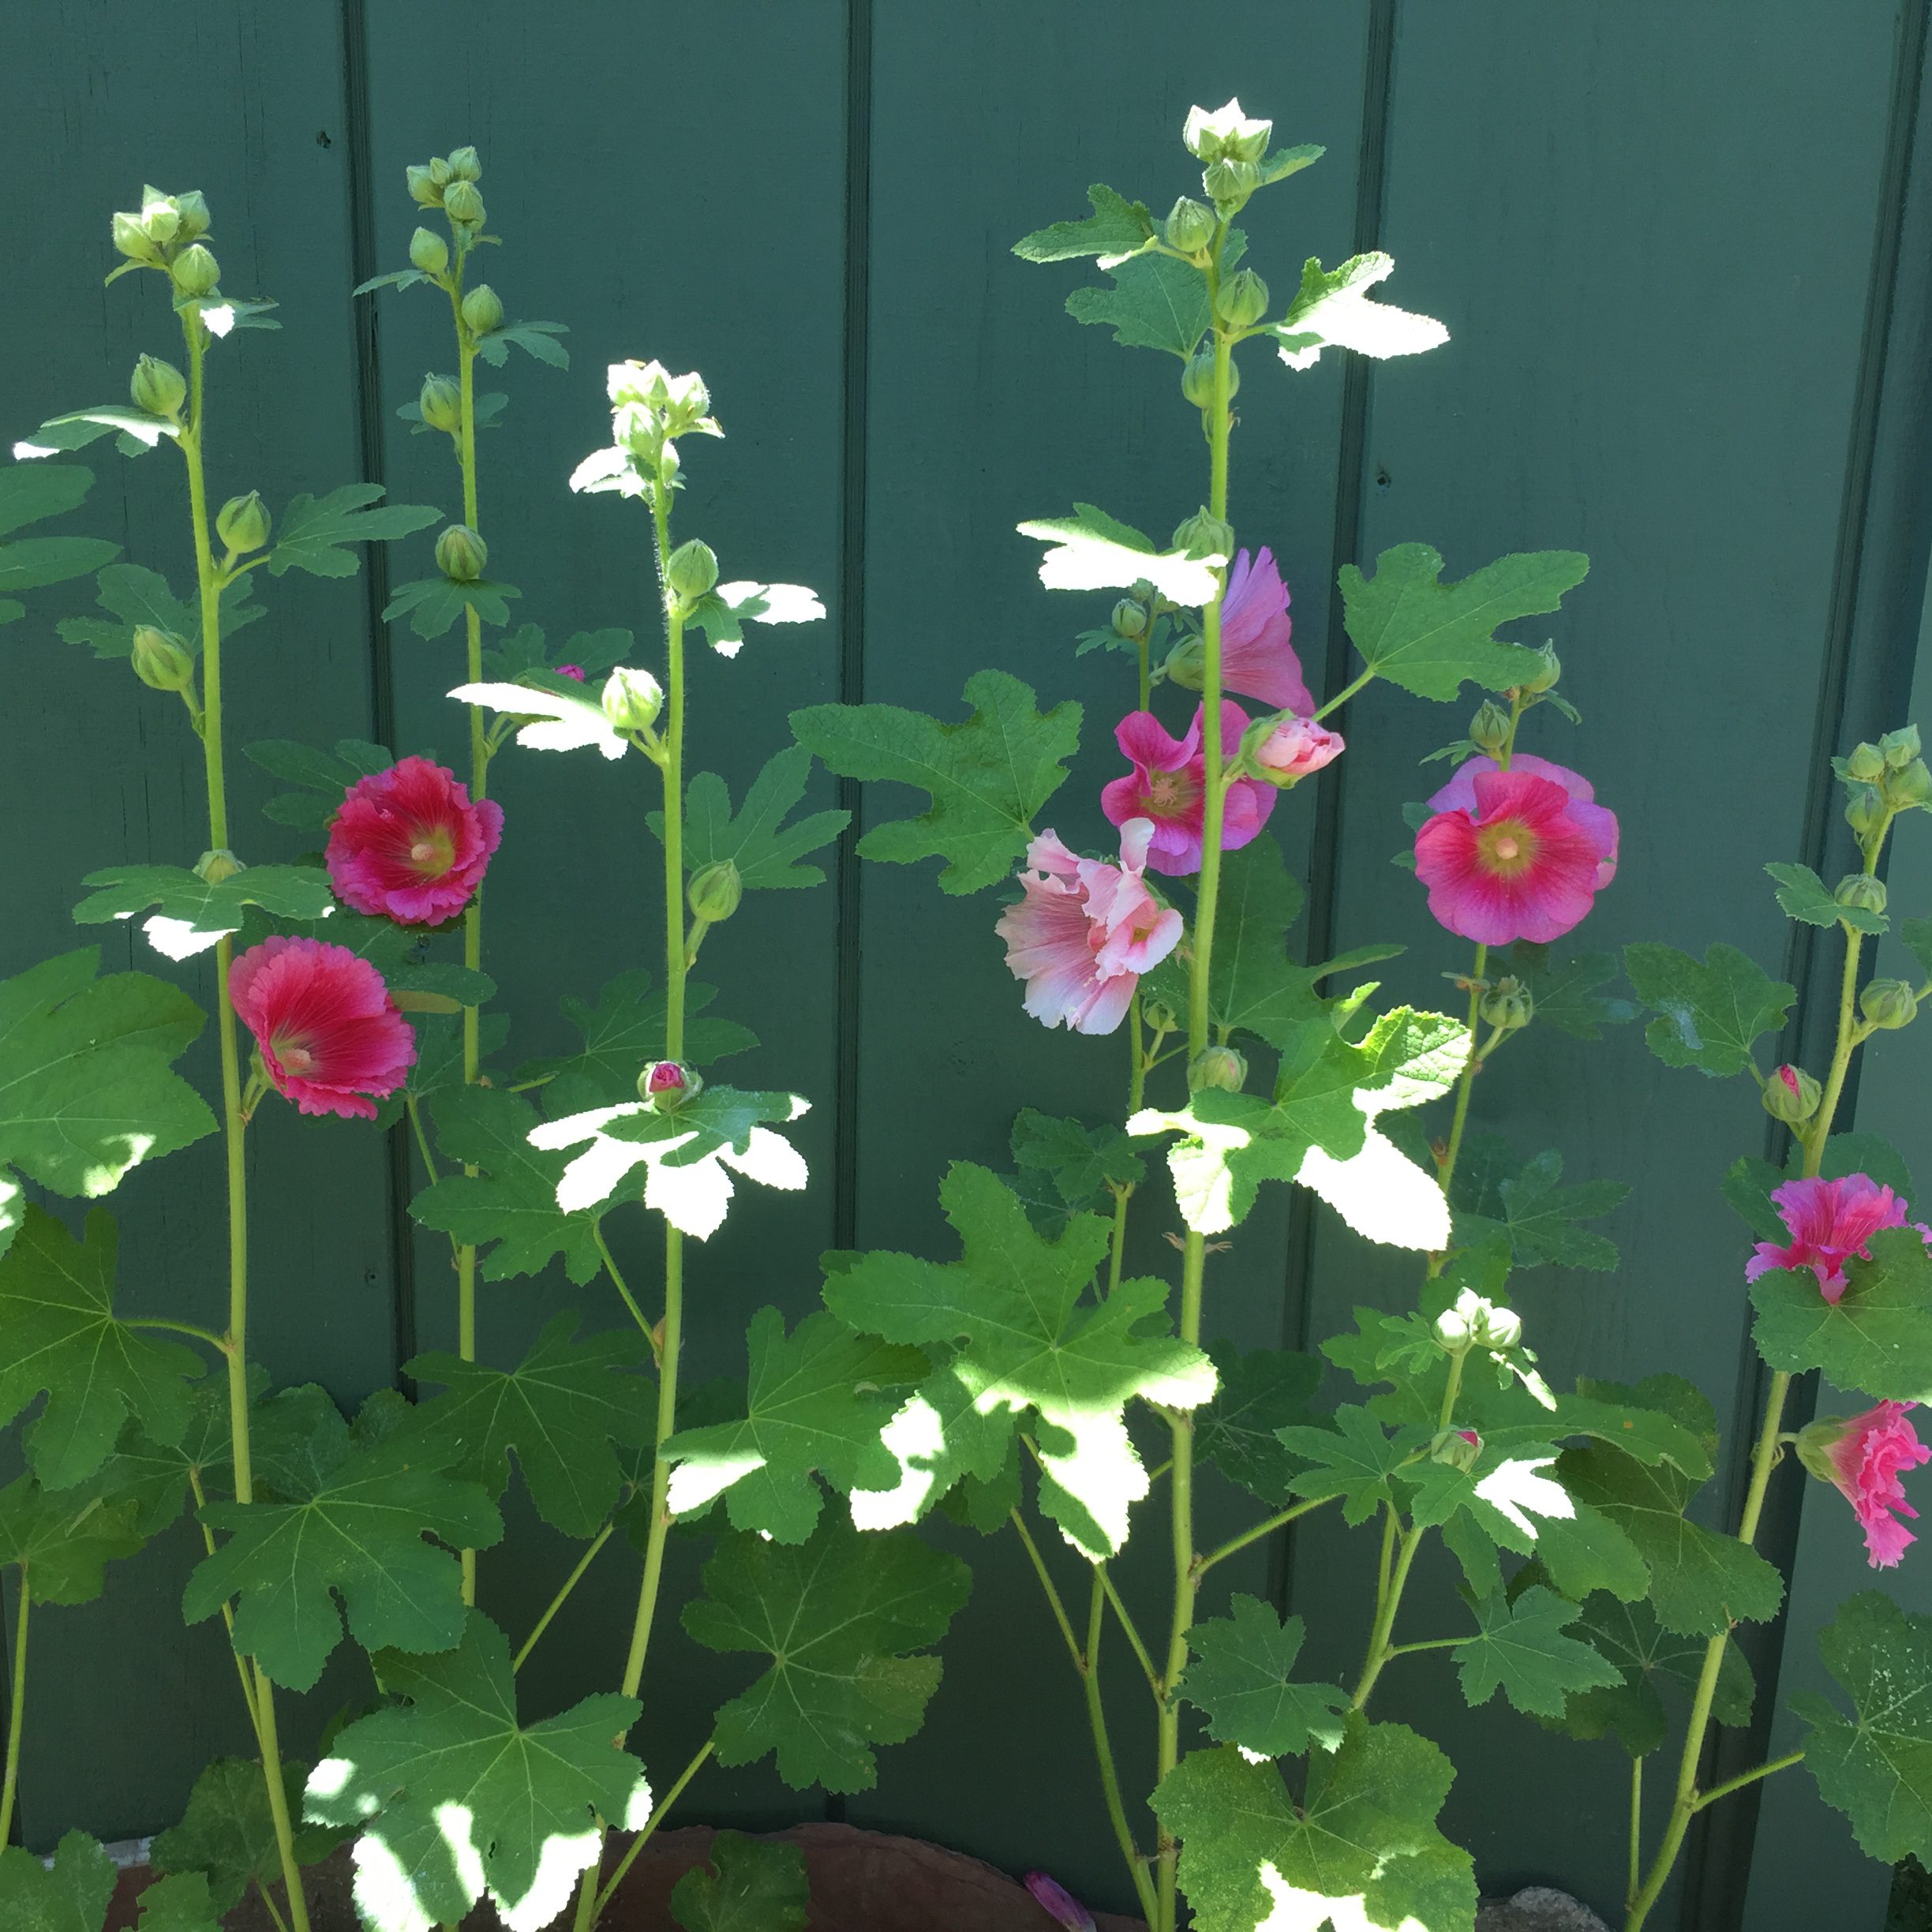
1169 786
1058 1903
1519 854
576 673
664 1076
407 845
1830 1222
1861 1456
330 1035
1256 658
1086 931
1296 746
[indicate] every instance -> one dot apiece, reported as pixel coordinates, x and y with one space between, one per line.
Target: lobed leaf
1240 1678
1332 310
755 839
192 916
315 532
1709 1015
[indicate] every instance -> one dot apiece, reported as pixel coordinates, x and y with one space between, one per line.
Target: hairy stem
1128 1629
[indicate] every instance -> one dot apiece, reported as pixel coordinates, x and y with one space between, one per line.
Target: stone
1537 1908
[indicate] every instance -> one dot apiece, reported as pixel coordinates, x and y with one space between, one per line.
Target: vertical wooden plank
626 217
1551 177
990 405
246 104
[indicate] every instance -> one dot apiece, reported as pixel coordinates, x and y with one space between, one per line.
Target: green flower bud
1508 1004
462 203
1900 746
159 388
715 892
692 568
461 554
1160 1017
425 190
1197 380
1229 183
481 311
132 239
1455 1328
243 522
1545 680
441 404
1498 1328
1867 763
1202 535
1218 1066
161 660
1187 664
1862 890
428 252
1889 1003
1190 227
632 699
213 867
1243 299
1458 1447
463 165
1816 1441
1490 729
1130 619
1907 786
1865 810
1791 1094
191 212
195 270
160 217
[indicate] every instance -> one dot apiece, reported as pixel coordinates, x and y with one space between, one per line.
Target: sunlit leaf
1332 310
1117 226
192 916
1092 550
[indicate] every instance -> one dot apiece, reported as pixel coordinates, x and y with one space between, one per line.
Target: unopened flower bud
1900 747
428 252
1187 664
575 673
632 699
1218 1066
482 312
1229 183
441 404
161 660
1546 678
464 165
667 1086
1459 1448
213 867
158 387
715 892
132 239
1242 300
462 202
1295 748
1490 729
242 523
1058 1903
1197 380
1866 762
425 190
195 270
1889 1003
1204 535
461 554
1499 1328
1791 1094
1190 227
1865 811
1908 785
1862 890
691 569
1129 619
1508 1004
1455 1327
191 215
1160 1017
159 218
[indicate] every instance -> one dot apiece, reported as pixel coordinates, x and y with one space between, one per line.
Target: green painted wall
1680 248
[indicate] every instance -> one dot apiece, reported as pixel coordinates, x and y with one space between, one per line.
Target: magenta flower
331 1037
407 845
1256 658
1830 1222
1168 785
1519 854
1058 1903
575 673
1861 1456
1296 746
1085 931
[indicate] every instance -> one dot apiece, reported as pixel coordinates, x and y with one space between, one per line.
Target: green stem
1279 1520
617 1281
1046 1583
658 1811
269 1905
1128 1628
557 1602
414 1111
1428 1643
176 1327
227 1610
1471 1067
1636 1830
1136 1089
1104 1750
1749 1778
16 1701
1343 695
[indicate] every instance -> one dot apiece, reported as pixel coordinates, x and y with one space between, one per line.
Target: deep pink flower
1086 931
576 673
1296 746
1058 1903
1169 786
1862 1456
1256 658
1519 854
407 844
1830 1222
330 1035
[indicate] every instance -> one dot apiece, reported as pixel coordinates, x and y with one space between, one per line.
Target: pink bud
1470 1437
1295 747
665 1074
574 672
1058 1903
1789 1075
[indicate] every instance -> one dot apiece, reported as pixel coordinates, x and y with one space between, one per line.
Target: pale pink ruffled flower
1830 1222
1298 747
1257 659
1862 1456
331 1037
1085 931
408 844
1168 786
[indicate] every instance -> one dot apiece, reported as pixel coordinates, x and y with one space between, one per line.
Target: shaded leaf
1117 226
1155 302
227 1833
1354 1460
132 595
1803 895
70 1896
753 1884
624 1032
1877 1336
1521 1649
1240 1677
535 338
756 839
1708 1014
1260 1393
1566 996
433 604
61 1543
315 532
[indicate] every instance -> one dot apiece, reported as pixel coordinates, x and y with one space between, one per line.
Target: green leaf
760 1885
722 614
62 1544
837 1617
512 1201
561 1408
132 595
1916 935
30 493
1027 1346
1240 1677
71 1896
227 1834
1260 1393
457 1798
1430 637
1354 1460
1708 1014
1156 302
433 604
1877 1336
986 776
1586 1553
1565 996
63 1337
179 1905
1332 310
1362 1845
1092 550
315 532
135 431
537 339
756 839
1803 895
624 1032
27 562
1080 1166
684 1154
1117 226
193 915
524 649
1253 985
353 1526
816 1404
1520 1648
1495 1193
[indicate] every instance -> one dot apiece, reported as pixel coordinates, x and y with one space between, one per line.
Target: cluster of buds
1475 1323
165 233
1230 146
1506 1004
1791 1094
1884 779
666 1085
449 184
651 409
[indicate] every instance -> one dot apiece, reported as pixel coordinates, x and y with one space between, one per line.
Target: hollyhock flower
1519 854
1168 785
1861 1456
1296 746
1830 1222
1058 1903
407 845
575 673
330 1035
1086 931
1256 658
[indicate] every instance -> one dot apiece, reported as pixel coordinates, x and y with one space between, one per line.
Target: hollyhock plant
409 844
1519 854
1086 930
1168 787
1861 1457
1296 748
1830 1222
331 1037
